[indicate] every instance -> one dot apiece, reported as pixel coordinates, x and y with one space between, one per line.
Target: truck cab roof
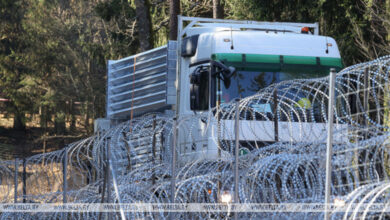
266 45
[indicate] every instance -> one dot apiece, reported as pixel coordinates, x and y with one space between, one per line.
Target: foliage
53 52
344 20
12 46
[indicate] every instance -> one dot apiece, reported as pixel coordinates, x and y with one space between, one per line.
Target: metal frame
150 82
261 25
329 144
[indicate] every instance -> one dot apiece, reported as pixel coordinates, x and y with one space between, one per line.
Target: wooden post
128 150
354 111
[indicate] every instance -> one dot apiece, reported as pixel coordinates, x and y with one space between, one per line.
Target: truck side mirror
199 90
224 72
189 45
227 74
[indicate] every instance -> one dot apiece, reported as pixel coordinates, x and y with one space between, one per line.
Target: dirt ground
14 143
26 143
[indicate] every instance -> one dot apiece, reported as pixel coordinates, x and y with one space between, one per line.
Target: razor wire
283 127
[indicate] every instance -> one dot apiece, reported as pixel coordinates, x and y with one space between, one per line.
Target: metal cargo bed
142 83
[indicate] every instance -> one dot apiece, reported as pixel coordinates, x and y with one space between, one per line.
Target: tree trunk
19 122
72 117
174 11
217 9
86 119
43 116
59 123
144 24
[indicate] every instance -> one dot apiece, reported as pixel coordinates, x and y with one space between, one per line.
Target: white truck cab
260 54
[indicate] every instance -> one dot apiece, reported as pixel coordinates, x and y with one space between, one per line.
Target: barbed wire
283 127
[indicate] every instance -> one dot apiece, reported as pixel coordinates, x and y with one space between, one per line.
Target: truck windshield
245 83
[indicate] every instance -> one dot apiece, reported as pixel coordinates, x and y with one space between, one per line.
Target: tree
118 18
217 9
343 20
67 60
12 67
174 11
371 31
143 24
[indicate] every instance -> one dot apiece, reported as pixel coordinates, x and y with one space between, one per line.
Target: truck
213 62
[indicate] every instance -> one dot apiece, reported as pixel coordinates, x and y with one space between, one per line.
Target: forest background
53 53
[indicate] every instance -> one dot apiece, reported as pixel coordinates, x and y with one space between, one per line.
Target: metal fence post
329 142
16 181
237 131
106 178
24 177
64 179
97 175
154 148
108 175
365 100
104 181
173 165
16 185
64 175
276 123
115 185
